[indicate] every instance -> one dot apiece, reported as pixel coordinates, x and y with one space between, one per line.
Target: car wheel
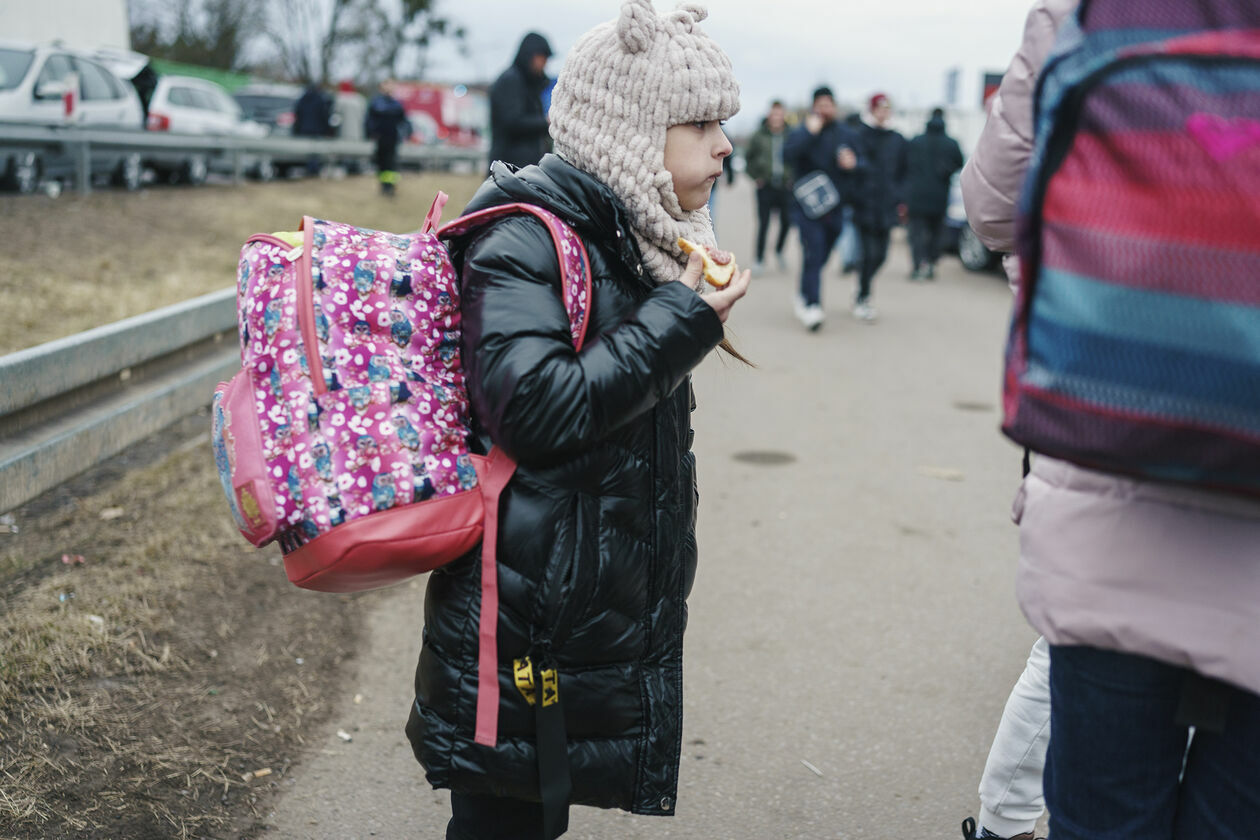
130 172
23 173
194 170
974 255
265 170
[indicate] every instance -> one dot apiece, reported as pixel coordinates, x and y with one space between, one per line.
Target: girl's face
693 155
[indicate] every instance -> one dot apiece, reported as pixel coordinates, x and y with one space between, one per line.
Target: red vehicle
453 115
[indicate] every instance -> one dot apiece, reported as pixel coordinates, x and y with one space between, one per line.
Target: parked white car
51 85
188 105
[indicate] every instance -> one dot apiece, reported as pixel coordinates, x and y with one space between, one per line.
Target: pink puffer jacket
1164 571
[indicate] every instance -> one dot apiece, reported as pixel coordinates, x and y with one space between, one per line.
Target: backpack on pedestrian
344 437
1135 342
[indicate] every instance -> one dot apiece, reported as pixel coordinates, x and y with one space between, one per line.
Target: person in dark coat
518 119
386 123
883 206
931 162
312 113
596 549
312 117
822 144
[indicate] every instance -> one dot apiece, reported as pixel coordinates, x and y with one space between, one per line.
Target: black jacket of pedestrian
932 160
597 548
808 153
518 124
312 114
884 187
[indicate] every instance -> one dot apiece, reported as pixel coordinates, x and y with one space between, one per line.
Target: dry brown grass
76 262
137 689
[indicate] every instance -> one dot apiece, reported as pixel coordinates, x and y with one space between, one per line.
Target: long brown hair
729 348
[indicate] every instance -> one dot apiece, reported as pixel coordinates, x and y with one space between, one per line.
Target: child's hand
720 299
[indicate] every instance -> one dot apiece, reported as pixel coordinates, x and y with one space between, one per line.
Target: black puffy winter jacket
597 548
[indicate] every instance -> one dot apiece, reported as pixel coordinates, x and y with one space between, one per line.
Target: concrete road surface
853 631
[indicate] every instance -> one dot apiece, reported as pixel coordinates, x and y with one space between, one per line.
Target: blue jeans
850 242
818 238
1114 768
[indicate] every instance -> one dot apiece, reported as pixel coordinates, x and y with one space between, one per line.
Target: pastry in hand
719 265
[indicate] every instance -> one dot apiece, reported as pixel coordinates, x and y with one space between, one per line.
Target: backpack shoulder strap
575 264
575 278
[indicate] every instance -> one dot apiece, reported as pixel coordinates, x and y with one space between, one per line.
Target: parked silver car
51 85
189 105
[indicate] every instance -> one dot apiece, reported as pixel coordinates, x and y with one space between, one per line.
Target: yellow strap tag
523 671
550 687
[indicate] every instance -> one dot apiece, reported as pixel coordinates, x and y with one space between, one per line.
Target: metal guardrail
77 143
71 403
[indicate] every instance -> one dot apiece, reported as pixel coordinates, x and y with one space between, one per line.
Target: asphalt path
853 629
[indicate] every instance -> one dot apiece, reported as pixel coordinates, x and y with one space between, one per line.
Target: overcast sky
779 48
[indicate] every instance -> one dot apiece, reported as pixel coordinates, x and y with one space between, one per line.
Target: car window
203 100
183 97
57 69
13 67
97 84
256 105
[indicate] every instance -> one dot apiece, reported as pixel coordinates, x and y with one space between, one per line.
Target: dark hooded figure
931 162
518 123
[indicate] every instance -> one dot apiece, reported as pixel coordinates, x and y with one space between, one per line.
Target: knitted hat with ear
623 84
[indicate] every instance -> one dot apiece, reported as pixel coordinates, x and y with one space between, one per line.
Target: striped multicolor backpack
1135 343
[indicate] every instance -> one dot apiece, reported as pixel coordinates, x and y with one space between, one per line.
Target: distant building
77 23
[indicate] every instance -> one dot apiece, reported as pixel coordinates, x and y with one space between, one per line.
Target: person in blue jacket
387 124
822 144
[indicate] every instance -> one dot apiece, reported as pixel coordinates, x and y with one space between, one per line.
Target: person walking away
821 146
312 117
518 119
883 204
931 161
1146 592
596 546
387 125
767 167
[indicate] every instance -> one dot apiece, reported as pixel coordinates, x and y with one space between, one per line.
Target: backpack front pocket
238 456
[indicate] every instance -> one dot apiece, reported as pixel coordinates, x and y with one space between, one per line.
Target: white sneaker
782 263
812 317
798 307
758 268
863 311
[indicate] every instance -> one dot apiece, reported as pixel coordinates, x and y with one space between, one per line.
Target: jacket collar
583 201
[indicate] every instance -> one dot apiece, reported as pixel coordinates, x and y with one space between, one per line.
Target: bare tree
307 35
209 33
392 39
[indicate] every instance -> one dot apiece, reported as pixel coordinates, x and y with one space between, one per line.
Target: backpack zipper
306 308
301 255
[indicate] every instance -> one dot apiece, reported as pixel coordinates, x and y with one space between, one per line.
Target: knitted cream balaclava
626 82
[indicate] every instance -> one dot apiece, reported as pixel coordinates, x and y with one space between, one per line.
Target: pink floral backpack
344 437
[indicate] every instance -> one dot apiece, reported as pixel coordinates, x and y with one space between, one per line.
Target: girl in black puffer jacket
596 545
